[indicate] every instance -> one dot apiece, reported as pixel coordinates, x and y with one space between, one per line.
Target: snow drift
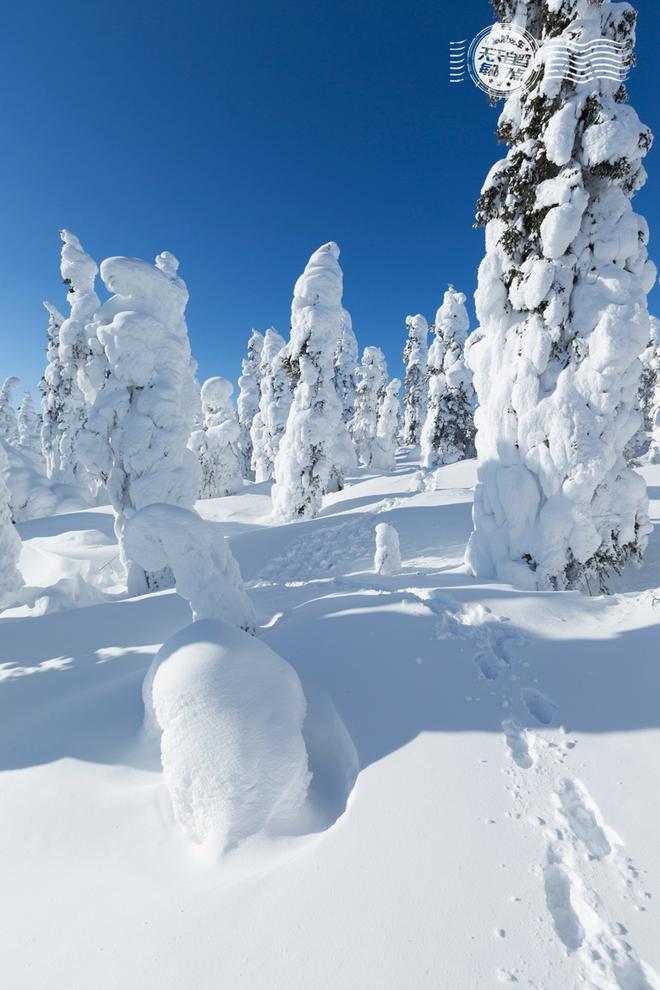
231 713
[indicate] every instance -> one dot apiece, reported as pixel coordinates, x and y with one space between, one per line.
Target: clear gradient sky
241 136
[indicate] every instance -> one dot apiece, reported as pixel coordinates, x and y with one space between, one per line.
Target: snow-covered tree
79 272
275 401
217 444
138 426
29 426
448 431
372 383
307 460
415 358
563 311
10 543
387 559
50 387
387 429
650 392
346 364
8 418
248 398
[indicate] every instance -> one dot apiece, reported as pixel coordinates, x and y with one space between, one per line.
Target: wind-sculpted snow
562 305
205 570
230 712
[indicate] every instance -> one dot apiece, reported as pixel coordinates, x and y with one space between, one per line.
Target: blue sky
242 136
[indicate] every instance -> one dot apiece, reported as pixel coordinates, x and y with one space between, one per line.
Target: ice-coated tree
307 460
10 543
138 426
448 431
8 418
562 305
248 398
387 559
387 429
29 426
275 401
372 382
79 272
50 387
346 364
217 444
650 392
415 359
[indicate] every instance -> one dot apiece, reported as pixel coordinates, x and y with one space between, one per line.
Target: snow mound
388 555
32 495
231 713
206 572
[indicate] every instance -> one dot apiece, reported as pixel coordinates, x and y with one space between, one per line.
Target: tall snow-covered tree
29 426
372 383
10 543
415 359
8 417
217 444
275 401
346 365
650 392
248 398
79 272
387 429
50 387
448 431
307 460
136 435
562 305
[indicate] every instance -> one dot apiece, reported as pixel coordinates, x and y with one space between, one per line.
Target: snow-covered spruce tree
346 364
136 435
372 382
8 418
10 543
307 460
385 441
387 559
50 387
79 272
248 398
415 359
563 311
650 392
275 401
448 431
217 444
29 426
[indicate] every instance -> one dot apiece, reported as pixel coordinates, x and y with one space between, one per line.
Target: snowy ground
504 823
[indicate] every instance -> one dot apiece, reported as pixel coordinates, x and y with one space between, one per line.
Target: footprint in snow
539 707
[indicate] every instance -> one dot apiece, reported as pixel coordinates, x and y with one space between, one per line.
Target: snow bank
388 555
230 711
206 572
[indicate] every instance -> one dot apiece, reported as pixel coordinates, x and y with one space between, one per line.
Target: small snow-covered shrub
10 543
205 570
387 559
311 457
217 444
385 441
229 712
248 398
415 358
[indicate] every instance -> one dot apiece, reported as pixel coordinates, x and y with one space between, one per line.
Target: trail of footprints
582 853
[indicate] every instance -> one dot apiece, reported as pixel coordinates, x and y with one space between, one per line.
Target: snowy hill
485 766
